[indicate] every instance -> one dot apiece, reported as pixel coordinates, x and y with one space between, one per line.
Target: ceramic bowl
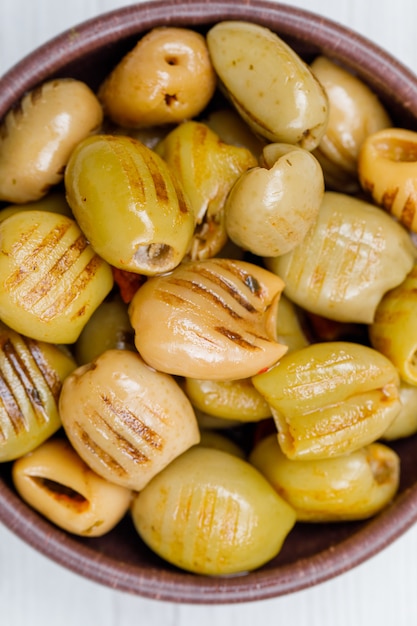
311 553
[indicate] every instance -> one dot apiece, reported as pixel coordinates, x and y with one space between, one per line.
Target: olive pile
172 269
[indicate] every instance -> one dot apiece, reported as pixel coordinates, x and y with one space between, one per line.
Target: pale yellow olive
232 400
350 487
126 420
330 398
150 227
51 279
355 112
109 327
405 424
388 172
207 168
210 512
349 259
231 129
394 330
271 87
38 137
166 78
31 374
213 319
270 209
55 481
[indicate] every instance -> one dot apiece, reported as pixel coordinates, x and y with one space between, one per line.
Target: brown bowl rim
373 64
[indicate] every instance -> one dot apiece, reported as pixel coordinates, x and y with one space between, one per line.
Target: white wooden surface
37 592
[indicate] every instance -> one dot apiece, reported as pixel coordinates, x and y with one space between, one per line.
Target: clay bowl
312 553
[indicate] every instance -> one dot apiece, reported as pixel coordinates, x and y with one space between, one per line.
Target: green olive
350 487
213 513
31 374
354 113
38 136
232 400
351 256
270 86
330 398
51 279
166 78
54 480
207 168
270 209
149 229
109 327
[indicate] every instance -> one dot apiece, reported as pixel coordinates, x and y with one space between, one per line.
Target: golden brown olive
355 112
207 168
166 78
349 259
31 375
38 137
270 86
109 327
350 487
51 280
270 209
232 400
151 230
125 420
210 512
394 330
330 398
212 319
388 171
57 483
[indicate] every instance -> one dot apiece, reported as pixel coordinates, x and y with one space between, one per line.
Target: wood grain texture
37 592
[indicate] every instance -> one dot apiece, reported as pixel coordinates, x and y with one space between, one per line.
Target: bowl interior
311 553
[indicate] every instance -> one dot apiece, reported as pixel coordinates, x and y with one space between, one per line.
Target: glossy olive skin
51 279
207 168
231 400
350 258
393 331
330 398
210 512
350 487
212 319
32 373
152 228
109 327
355 112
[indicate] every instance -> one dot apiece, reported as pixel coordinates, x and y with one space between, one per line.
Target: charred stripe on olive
132 422
15 415
78 285
98 452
